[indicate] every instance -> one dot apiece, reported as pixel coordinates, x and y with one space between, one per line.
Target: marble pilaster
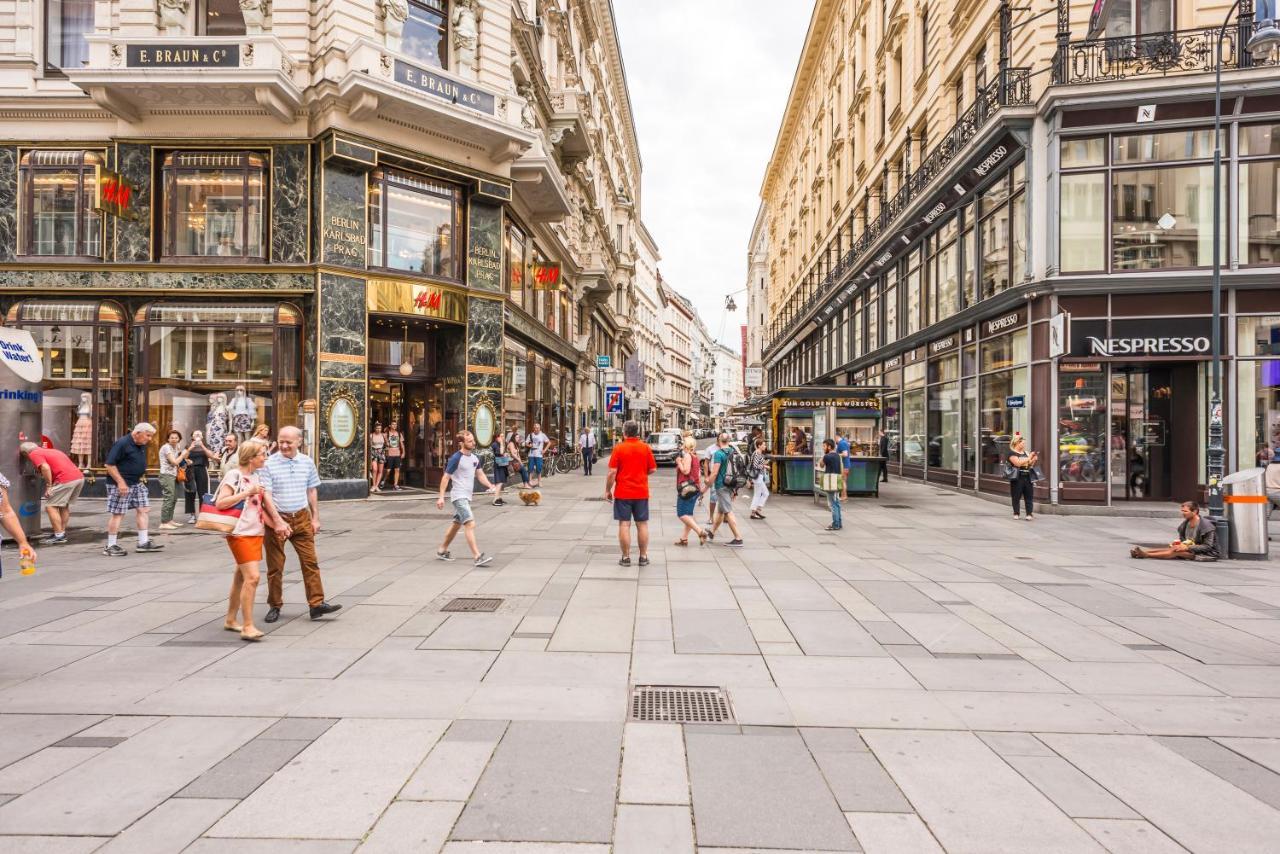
202 281
343 469
133 236
484 351
8 202
343 226
484 245
341 370
290 203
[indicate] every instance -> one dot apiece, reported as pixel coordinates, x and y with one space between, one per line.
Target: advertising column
20 377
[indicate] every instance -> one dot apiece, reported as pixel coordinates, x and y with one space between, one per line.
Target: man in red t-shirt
630 465
63 484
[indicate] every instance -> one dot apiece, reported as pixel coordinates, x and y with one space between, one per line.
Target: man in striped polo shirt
293 481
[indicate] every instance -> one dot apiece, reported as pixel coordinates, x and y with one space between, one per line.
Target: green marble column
484 315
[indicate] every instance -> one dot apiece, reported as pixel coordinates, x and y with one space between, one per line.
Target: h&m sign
1190 337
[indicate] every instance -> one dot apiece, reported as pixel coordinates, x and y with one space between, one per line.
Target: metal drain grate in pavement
472 605
672 704
896 506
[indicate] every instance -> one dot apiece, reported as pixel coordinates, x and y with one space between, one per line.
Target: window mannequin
244 414
217 423
82 434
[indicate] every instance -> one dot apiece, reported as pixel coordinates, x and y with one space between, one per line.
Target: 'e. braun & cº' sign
432 83
182 55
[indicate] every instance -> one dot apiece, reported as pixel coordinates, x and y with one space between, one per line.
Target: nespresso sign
182 55
433 83
1146 338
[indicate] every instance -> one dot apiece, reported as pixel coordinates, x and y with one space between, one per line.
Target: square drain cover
671 704
472 604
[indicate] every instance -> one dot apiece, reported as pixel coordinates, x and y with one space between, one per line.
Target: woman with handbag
243 504
197 474
501 462
517 464
1020 469
171 459
759 477
688 490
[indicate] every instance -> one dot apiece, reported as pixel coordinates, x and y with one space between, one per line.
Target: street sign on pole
613 401
604 360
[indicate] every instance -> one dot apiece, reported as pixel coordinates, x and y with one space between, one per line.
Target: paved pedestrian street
936 677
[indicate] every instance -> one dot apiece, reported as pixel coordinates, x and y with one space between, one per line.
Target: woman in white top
241 486
171 457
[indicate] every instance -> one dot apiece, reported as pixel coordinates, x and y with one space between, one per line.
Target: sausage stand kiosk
799 419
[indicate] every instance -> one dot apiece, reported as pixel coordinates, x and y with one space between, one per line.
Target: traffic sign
604 360
613 402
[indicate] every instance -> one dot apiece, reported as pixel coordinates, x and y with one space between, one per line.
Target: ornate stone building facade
333 214
1002 216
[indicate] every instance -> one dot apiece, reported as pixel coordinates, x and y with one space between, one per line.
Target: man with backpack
728 474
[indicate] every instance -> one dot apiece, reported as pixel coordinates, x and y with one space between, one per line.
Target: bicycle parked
569 460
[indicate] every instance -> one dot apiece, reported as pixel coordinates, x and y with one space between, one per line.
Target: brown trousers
304 544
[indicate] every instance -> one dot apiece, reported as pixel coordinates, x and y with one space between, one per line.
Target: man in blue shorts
538 443
461 472
630 465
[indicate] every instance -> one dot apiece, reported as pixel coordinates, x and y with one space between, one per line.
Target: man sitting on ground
1197 539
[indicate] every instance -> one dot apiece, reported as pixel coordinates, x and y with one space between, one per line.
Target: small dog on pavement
530 496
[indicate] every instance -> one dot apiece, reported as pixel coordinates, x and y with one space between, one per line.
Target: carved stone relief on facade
173 15
391 16
466 38
257 16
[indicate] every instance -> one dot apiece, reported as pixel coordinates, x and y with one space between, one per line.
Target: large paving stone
762 790
547 782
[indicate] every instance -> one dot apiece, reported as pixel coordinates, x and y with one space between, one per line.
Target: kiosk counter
800 419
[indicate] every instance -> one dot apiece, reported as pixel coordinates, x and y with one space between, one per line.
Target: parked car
665 447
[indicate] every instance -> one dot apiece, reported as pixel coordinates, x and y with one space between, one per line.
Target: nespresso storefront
1120 415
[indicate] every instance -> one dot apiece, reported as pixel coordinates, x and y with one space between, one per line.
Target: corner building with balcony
1003 218
335 214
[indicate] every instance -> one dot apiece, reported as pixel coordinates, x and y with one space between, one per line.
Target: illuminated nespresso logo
938 210
1148 346
883 259
892 363
994 326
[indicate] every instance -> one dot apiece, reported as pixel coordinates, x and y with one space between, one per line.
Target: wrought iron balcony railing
1156 54
1010 88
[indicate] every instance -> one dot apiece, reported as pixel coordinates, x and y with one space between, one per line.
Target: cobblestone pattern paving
938 678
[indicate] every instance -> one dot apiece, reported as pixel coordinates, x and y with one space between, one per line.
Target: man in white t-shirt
459 479
587 442
537 442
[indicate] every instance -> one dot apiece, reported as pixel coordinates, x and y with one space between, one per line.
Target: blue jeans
837 519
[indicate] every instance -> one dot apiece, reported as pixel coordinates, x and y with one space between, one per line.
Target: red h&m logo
546 275
428 300
115 194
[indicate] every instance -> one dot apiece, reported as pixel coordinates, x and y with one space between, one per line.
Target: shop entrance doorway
1142 427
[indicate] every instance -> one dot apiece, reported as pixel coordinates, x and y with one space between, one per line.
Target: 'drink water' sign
18 351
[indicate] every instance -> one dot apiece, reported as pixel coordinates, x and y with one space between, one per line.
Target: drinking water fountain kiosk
21 372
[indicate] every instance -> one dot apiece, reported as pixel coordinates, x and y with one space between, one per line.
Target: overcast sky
709 80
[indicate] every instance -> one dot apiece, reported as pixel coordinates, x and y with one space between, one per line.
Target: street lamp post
1265 38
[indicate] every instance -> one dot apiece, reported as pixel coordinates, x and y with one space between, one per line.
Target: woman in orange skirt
241 484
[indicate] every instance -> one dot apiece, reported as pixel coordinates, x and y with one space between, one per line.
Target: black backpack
737 474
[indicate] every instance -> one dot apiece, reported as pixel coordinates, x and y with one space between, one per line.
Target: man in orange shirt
630 465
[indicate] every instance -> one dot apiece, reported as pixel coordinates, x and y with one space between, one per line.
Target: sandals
682 542
252 635
1136 552
702 538
232 627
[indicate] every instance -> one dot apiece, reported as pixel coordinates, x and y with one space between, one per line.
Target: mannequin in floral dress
82 435
216 425
244 414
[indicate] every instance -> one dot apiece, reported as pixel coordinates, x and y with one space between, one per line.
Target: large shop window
914 425
944 281
1259 193
1002 379
426 32
218 368
1148 207
415 224
215 205
1258 381
1002 230
944 413
58 190
66 23
82 348
1082 423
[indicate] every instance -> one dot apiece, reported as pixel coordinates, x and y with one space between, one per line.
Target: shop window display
82 349
1082 424
1258 381
997 422
415 224
221 369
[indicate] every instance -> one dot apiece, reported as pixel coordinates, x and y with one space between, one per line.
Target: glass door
1141 408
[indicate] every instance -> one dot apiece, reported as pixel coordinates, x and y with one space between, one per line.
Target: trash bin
1246 498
